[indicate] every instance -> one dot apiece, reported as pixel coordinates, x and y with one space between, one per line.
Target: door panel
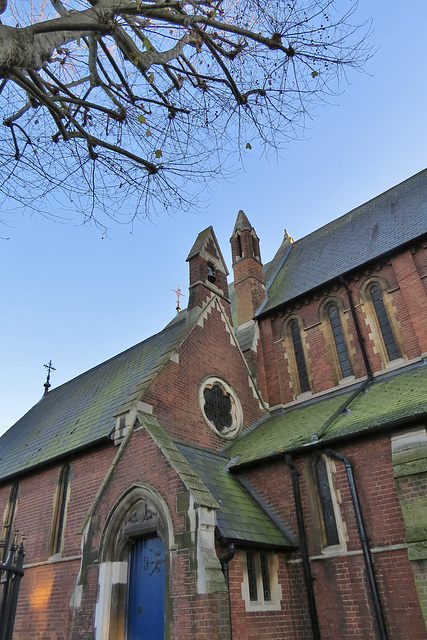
146 590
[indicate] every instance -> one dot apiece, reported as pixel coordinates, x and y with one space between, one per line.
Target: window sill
395 364
334 549
257 606
304 396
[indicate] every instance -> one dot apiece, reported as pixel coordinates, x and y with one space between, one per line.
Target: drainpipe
360 338
308 577
225 560
343 407
225 569
364 542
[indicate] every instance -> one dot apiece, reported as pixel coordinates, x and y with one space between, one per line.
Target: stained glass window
299 357
253 591
340 345
265 577
327 505
218 407
384 322
61 507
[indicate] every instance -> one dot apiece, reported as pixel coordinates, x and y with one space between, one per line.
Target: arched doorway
145 604
135 568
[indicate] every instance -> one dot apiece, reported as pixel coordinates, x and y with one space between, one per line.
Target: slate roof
245 335
240 517
179 462
271 268
81 411
388 221
204 472
399 395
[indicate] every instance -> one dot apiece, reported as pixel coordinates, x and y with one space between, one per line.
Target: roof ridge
274 274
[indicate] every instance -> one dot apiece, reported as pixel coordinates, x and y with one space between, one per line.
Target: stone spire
247 268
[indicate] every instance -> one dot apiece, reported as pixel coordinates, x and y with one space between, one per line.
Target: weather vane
49 368
179 294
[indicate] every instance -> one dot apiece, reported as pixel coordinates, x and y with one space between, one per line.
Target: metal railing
11 572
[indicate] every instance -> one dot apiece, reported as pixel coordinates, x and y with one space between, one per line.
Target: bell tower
208 271
247 268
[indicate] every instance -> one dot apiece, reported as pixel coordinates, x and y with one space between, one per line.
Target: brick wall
47 586
208 350
189 614
343 597
406 303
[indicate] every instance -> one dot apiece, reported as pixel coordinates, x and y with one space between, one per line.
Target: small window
252 578
260 588
239 246
60 510
8 520
265 577
384 322
339 340
258 576
299 357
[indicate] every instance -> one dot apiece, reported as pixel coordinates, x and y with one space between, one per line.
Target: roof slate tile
381 225
391 397
81 411
239 516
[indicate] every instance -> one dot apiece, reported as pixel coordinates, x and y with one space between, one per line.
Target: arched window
299 356
326 504
60 510
9 519
340 345
383 321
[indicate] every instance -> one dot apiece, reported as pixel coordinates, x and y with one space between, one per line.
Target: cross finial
49 368
178 294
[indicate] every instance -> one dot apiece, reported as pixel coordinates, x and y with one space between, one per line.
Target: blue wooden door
146 590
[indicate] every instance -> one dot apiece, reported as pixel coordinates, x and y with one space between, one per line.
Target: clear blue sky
73 296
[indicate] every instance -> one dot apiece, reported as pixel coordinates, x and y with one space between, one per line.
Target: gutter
225 561
319 444
389 252
62 456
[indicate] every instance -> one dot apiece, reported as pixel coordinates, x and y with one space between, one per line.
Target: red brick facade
80 592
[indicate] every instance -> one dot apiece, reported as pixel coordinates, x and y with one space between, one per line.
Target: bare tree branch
128 105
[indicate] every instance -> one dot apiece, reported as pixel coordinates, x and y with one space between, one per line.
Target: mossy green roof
239 517
388 398
183 468
82 411
379 226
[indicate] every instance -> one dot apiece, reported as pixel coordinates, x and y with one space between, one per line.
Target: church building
258 468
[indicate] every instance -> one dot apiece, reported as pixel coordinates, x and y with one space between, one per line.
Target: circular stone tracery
221 408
